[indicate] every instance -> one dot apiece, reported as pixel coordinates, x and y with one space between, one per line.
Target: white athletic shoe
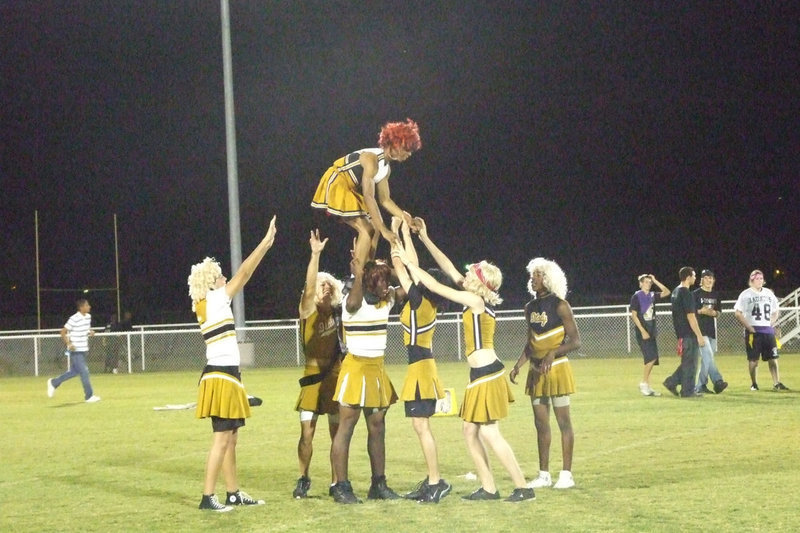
653 392
93 399
542 481
644 388
50 389
565 480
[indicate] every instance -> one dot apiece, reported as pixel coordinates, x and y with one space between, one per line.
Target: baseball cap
707 272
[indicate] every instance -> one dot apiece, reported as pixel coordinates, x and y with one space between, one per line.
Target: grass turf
722 463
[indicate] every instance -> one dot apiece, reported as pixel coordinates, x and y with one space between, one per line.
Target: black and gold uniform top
350 165
545 325
478 329
320 338
418 318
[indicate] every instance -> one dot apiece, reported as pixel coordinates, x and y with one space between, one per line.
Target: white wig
336 286
552 276
203 277
491 277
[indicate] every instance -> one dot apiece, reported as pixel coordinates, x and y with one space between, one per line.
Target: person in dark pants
690 338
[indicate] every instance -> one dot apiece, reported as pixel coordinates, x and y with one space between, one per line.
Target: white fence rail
605 332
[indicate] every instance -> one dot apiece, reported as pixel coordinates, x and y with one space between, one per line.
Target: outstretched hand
420 226
269 238
316 244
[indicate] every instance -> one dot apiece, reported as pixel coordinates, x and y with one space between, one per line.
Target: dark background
616 138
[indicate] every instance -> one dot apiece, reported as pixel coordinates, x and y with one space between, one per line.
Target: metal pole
38 295
116 261
233 178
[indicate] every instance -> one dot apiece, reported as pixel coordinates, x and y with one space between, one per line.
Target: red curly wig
400 134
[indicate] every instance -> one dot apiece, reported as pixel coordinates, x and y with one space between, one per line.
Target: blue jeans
77 367
708 367
685 374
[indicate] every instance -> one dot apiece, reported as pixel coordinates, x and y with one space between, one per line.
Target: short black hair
685 272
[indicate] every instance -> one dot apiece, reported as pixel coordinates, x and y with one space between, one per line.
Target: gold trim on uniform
363 382
222 395
486 399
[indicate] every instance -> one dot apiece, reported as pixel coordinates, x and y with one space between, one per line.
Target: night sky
616 138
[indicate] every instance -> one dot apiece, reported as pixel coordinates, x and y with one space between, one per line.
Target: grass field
720 463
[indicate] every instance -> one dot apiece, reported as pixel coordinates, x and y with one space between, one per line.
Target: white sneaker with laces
644 389
50 389
565 480
93 399
542 481
653 392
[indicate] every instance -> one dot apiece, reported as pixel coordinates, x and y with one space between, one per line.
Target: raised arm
663 288
356 295
442 260
466 298
249 265
308 299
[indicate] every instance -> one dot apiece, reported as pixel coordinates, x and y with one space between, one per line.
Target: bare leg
478 453
490 433
541 418
773 369
648 368
229 464
567 435
332 428
216 456
305 446
753 367
426 441
364 239
340 448
376 441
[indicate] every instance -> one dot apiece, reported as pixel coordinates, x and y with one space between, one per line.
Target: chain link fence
606 332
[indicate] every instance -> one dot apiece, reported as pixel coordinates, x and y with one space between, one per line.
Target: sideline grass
720 463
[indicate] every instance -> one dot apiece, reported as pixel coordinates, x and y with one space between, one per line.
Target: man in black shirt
708 309
690 339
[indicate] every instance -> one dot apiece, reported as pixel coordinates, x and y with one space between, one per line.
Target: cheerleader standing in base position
221 394
422 387
488 394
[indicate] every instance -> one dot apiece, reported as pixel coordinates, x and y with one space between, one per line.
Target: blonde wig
203 277
480 277
552 276
336 287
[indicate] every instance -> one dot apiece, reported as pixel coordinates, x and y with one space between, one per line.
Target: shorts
649 349
760 344
557 382
420 408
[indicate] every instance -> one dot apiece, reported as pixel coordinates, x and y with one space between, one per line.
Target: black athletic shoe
780 386
754 386
720 386
380 491
241 498
342 492
434 493
705 390
481 494
520 495
211 503
418 491
672 388
302 488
